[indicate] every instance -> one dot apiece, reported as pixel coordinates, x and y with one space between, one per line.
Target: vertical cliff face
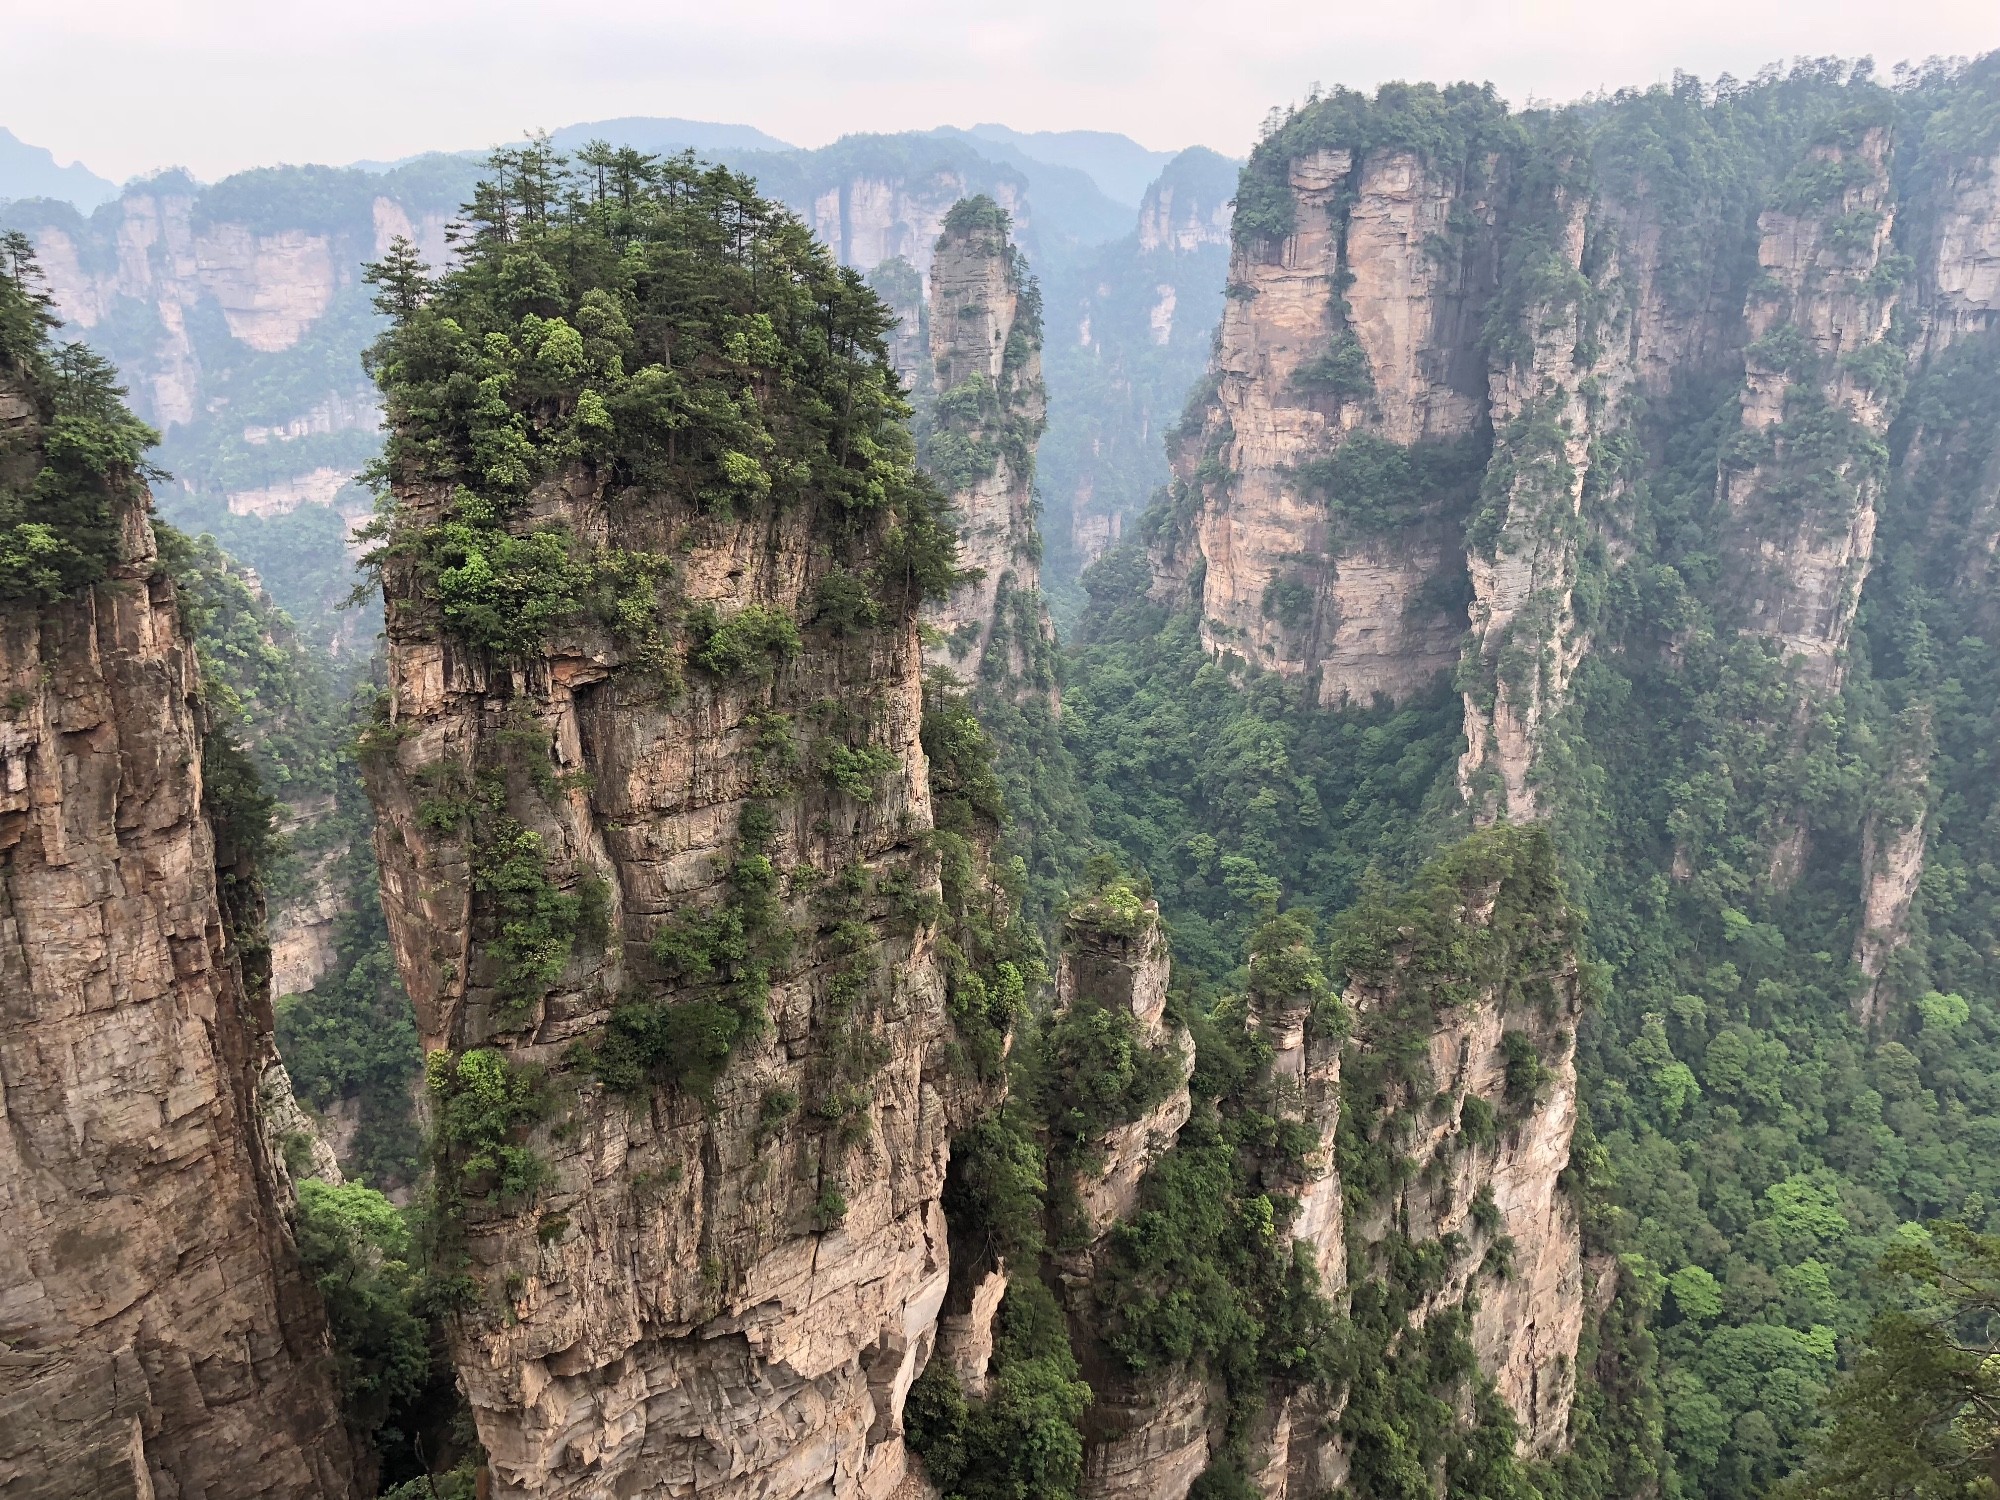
1892 863
683 1307
236 312
662 883
1803 483
1559 371
159 1336
1348 350
1959 262
988 412
1412 1128
1146 1435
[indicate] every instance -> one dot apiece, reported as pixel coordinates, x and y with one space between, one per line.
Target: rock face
191 290
679 1314
1145 1436
988 412
1352 301
1427 409
866 220
1892 863
1483 1114
1805 507
1484 1120
1125 971
1525 641
1129 334
159 1337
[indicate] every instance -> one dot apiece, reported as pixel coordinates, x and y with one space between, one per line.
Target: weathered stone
160 1337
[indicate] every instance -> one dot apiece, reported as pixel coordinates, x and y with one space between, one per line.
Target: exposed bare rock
1525 642
1125 970
965 1336
866 220
1174 217
692 1321
901 287
1280 585
1892 863
1959 270
289 1128
1802 561
990 409
1148 1435
1146 1440
1486 1124
302 930
159 1337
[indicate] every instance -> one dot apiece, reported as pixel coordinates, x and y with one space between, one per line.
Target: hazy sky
217 85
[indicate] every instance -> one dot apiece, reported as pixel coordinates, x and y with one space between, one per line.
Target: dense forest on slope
1766 1117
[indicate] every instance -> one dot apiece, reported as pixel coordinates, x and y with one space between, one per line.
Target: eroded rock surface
157 1337
727 1297
989 409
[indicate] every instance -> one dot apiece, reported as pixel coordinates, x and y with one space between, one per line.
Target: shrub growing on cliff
355 1246
482 1107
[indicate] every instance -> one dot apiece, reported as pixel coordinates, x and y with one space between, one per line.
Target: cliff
661 879
159 1336
1403 1139
1803 482
1144 1436
1345 338
987 414
237 312
1432 384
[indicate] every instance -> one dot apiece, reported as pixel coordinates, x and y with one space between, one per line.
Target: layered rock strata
679 1313
1553 389
987 413
157 1336
1482 1113
1892 864
1146 1436
1803 484
1357 283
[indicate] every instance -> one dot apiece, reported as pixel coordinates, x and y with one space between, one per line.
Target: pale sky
218 85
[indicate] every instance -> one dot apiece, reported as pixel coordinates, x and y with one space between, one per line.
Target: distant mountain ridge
32 172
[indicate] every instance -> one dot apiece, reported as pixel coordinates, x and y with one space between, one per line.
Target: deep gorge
1444 974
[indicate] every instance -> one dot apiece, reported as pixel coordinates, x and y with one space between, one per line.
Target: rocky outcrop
1479 959
1482 1119
1119 963
191 290
157 1336
901 287
1892 864
866 219
1188 207
1555 387
1958 284
1143 1436
988 411
1351 328
1803 483
726 1296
